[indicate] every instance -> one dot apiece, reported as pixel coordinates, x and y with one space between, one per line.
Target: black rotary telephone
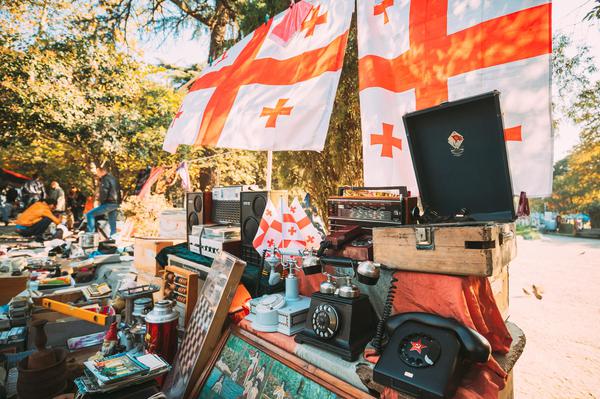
427 355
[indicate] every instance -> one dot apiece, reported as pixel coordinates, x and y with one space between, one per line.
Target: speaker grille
249 229
194 209
198 203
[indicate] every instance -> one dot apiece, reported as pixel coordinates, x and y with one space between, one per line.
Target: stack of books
120 371
96 291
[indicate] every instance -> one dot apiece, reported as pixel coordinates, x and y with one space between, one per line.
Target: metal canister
161 330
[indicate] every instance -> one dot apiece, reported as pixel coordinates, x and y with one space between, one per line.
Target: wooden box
499 284
479 249
145 251
11 286
181 285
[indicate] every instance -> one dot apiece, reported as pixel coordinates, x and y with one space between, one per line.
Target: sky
567 16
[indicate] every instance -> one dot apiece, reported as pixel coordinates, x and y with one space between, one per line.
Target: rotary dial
419 350
325 321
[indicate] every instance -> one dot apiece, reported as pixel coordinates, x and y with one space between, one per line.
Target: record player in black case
465 226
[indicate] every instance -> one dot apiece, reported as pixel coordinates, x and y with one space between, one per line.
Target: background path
562 355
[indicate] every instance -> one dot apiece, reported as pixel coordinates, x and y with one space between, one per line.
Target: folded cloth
291 22
469 300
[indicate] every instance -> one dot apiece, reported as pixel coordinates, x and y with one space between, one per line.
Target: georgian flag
298 230
414 54
260 95
268 235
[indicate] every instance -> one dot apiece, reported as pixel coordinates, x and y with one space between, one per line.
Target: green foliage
577 183
528 232
340 162
594 12
577 177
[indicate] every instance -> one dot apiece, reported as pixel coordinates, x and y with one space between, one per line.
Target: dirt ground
562 354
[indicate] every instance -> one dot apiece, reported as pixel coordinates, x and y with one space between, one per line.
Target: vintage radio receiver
226 204
370 211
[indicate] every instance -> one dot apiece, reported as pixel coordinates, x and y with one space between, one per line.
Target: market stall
402 293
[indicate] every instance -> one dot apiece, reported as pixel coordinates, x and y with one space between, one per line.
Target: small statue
110 345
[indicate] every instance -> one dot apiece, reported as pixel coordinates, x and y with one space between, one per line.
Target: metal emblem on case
456 140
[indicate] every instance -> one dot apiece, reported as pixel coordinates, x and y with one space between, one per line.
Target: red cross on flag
262 95
414 54
269 231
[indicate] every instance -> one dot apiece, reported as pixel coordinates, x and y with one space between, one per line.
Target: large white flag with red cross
414 54
261 95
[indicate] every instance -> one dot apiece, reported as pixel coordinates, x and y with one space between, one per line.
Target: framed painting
204 327
245 366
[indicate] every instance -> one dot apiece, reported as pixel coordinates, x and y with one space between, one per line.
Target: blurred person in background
109 197
75 203
57 193
36 219
33 190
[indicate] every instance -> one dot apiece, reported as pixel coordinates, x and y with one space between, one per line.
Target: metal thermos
161 330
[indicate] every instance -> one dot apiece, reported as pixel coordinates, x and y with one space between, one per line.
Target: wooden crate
507 392
459 249
145 250
499 284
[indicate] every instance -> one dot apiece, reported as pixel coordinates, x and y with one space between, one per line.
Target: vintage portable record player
276 312
340 320
427 354
459 155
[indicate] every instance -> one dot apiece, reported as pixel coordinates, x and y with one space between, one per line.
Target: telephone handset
427 354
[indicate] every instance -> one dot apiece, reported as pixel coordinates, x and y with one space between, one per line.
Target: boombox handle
402 190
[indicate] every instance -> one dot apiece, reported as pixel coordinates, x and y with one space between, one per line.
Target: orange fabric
241 297
89 204
35 213
435 56
308 285
470 301
246 69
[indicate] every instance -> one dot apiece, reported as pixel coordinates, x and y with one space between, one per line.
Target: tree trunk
218 31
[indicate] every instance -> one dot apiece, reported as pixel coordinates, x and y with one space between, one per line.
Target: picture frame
244 365
205 325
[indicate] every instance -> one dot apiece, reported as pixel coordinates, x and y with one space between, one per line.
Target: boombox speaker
252 207
197 209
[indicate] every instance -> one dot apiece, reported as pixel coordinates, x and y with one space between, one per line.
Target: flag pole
269 169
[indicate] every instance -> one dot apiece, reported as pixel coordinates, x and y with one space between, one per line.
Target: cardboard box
145 250
11 286
172 223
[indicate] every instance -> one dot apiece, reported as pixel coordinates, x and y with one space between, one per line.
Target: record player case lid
460 159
